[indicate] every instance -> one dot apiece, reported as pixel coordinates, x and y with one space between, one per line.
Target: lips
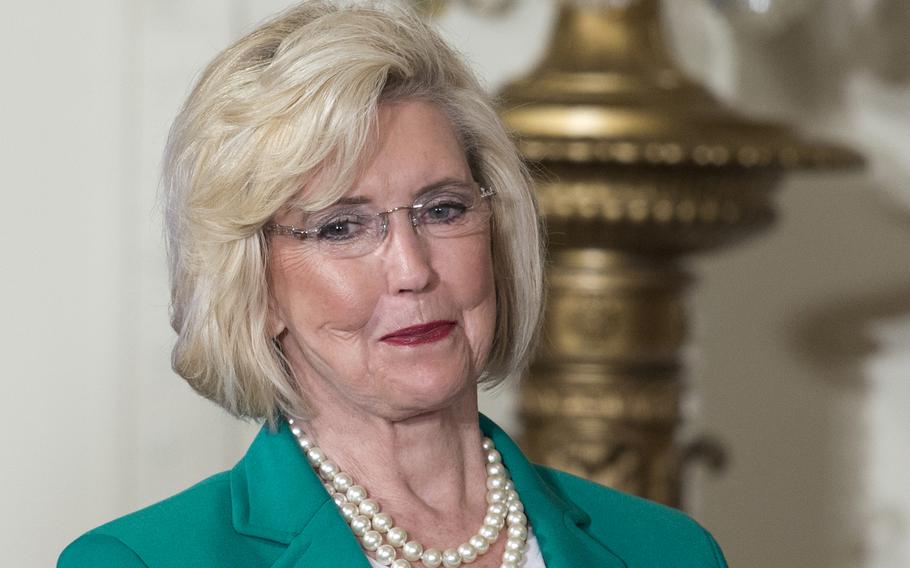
420 334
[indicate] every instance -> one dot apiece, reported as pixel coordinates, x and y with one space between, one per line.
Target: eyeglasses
347 231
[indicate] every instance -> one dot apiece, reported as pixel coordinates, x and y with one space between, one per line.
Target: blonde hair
295 98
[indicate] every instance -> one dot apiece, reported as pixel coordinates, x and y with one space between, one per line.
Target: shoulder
641 532
101 550
604 504
150 536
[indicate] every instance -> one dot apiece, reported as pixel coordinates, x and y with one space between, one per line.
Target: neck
419 468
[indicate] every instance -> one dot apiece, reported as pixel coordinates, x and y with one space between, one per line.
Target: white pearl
315 455
431 557
516 507
489 532
371 540
497 496
412 550
515 544
496 482
518 531
494 520
467 552
356 494
498 509
342 481
383 522
385 554
511 556
360 524
328 469
451 558
349 511
368 507
479 543
369 523
517 519
397 536
496 469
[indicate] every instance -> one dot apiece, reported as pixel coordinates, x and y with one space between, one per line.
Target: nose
406 256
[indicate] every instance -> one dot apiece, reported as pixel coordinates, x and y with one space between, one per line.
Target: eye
340 229
444 210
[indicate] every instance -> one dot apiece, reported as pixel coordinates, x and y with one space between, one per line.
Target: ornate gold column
639 166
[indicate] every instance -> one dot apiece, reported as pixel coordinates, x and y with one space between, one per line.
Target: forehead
416 146
413 145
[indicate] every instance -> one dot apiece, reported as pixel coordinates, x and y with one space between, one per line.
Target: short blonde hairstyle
298 97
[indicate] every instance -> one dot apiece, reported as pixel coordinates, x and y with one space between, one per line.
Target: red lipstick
420 334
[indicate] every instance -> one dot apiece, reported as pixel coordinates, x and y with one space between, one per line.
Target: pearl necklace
377 531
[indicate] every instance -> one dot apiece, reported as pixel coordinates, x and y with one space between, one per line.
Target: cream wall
802 336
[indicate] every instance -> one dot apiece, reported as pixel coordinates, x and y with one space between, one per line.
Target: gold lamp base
639 166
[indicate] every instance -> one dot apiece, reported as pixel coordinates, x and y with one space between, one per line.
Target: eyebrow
354 200
445 182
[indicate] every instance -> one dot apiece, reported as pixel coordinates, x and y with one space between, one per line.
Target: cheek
311 295
469 274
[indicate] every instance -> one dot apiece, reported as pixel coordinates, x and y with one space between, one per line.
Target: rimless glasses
450 209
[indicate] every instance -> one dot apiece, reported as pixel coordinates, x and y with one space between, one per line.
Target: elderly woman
354 248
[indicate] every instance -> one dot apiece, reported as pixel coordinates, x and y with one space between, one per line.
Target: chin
428 391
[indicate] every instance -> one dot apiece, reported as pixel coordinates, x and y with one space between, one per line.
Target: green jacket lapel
326 541
276 496
557 523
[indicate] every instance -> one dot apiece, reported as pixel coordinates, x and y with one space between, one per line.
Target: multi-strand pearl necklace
377 531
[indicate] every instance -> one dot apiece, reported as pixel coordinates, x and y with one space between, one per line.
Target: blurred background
799 354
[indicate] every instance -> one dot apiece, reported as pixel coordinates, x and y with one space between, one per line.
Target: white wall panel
64 338
886 496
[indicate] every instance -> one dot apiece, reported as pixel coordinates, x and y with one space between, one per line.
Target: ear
275 325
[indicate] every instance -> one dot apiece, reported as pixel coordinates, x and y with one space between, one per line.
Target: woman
354 247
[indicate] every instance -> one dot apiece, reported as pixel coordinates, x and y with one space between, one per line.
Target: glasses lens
453 212
348 235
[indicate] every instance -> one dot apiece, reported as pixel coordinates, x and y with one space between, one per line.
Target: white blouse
533 557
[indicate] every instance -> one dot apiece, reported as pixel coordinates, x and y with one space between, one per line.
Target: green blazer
271 510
